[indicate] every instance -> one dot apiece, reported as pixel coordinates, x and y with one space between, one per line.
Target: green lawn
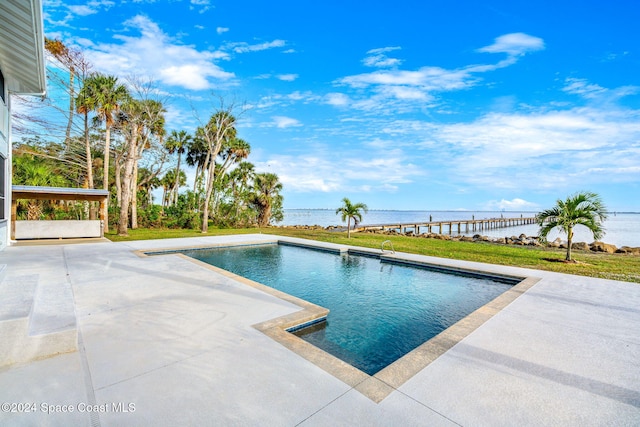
608 266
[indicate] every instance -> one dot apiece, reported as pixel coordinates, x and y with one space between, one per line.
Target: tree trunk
207 198
34 210
87 150
176 186
72 106
134 196
105 178
195 180
569 240
267 215
118 178
348 227
123 221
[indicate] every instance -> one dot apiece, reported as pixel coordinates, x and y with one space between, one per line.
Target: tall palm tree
197 156
107 96
85 103
583 208
266 196
220 128
177 143
144 125
169 181
349 210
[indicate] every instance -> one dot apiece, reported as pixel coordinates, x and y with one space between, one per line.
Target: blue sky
407 105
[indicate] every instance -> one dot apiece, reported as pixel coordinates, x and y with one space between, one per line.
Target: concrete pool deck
165 341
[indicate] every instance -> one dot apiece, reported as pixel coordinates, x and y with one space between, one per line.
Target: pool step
37 318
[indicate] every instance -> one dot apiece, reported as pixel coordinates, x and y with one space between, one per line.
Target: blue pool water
379 311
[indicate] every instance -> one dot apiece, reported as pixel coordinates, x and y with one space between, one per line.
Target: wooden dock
449 227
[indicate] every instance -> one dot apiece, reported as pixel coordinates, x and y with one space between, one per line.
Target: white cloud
154 53
594 91
82 10
540 150
511 205
300 96
221 30
202 5
378 58
303 174
244 47
583 88
337 99
287 77
318 171
188 76
285 122
395 89
514 44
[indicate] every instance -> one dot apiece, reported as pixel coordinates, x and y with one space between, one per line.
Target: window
2 94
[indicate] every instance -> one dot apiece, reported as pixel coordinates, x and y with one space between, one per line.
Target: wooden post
103 218
14 217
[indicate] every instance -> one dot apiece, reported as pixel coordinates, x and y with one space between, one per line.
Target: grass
607 266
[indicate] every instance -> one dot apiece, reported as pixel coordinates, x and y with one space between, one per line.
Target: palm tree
219 129
585 209
29 171
266 196
84 104
177 143
197 156
349 210
107 96
170 181
144 124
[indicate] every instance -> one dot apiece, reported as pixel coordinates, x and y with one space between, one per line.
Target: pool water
379 311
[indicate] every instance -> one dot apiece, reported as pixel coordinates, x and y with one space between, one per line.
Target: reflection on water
378 311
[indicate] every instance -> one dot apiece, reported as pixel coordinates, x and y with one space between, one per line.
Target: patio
165 341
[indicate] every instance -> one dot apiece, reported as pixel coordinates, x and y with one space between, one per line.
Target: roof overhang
57 193
22 46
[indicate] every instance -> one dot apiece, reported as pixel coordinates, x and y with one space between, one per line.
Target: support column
14 217
103 217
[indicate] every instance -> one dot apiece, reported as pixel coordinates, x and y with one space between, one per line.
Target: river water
621 229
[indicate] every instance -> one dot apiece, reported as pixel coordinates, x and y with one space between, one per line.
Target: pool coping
380 385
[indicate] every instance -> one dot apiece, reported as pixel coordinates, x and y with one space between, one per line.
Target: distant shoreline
621 228
451 210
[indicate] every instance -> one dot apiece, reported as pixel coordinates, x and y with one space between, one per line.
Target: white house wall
22 65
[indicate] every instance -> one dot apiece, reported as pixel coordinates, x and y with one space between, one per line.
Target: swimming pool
379 309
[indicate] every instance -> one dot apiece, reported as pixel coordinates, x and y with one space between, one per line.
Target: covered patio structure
56 229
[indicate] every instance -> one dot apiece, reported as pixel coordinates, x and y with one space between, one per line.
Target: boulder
603 247
629 250
467 239
555 244
581 246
